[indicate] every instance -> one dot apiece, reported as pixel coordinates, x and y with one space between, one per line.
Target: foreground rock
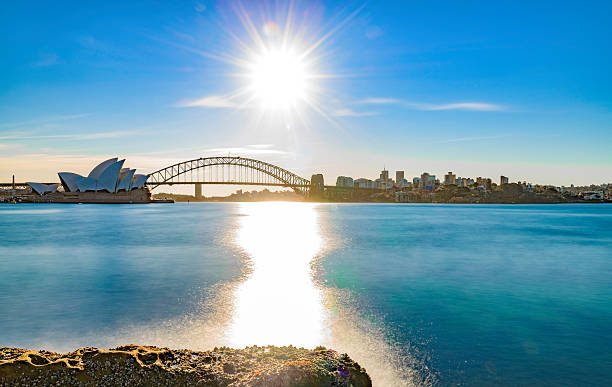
142 365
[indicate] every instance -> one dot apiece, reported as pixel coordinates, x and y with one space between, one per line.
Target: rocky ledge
151 366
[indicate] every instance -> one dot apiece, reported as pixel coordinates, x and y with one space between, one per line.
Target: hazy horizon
481 89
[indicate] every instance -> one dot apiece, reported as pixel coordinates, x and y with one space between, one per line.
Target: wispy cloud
380 101
45 60
257 149
200 7
474 106
480 106
351 113
43 120
181 35
71 136
211 101
7 146
373 32
466 139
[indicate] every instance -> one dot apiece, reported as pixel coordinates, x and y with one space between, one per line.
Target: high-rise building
503 180
427 182
384 175
399 176
317 185
450 179
344 181
461 182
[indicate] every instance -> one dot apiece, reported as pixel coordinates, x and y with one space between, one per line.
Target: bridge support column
198 190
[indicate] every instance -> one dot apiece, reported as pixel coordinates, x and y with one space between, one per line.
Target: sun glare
278 79
279 62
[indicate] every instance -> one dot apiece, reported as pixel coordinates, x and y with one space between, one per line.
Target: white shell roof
42 189
109 176
125 181
139 181
69 181
100 168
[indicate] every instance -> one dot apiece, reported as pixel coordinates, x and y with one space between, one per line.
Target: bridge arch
233 170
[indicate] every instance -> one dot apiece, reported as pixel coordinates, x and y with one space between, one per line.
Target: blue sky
480 88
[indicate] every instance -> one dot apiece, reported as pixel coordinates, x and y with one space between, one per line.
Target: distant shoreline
298 201
386 202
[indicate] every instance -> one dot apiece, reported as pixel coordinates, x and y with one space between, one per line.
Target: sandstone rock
145 365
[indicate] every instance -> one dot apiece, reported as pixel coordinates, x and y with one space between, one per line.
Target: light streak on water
278 304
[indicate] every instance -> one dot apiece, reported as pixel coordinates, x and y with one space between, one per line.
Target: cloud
100 48
373 32
261 146
181 35
474 106
7 146
199 7
380 101
479 106
351 113
464 139
211 101
45 60
71 136
248 150
43 120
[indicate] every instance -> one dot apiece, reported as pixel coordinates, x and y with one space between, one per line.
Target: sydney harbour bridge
227 170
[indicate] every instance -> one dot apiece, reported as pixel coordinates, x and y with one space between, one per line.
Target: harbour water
418 294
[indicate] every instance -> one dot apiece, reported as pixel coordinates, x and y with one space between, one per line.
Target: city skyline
515 91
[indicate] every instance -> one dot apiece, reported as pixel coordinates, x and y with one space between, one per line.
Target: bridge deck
228 183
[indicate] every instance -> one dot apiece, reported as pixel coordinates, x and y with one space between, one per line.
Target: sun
280 62
279 78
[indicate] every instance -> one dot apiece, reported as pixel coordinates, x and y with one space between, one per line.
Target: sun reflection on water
278 304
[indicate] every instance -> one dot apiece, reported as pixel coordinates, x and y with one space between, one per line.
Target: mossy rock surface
138 365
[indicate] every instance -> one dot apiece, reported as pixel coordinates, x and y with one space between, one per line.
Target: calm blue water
419 294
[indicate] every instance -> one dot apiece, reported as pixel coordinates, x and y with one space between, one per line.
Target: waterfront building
402 197
384 175
345 181
403 183
450 179
364 183
503 180
42 189
108 182
462 181
384 183
428 182
399 175
109 176
484 182
317 184
594 195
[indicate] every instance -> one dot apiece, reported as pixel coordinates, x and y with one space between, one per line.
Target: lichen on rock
146 365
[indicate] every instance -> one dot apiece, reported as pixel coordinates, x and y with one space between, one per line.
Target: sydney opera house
107 182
